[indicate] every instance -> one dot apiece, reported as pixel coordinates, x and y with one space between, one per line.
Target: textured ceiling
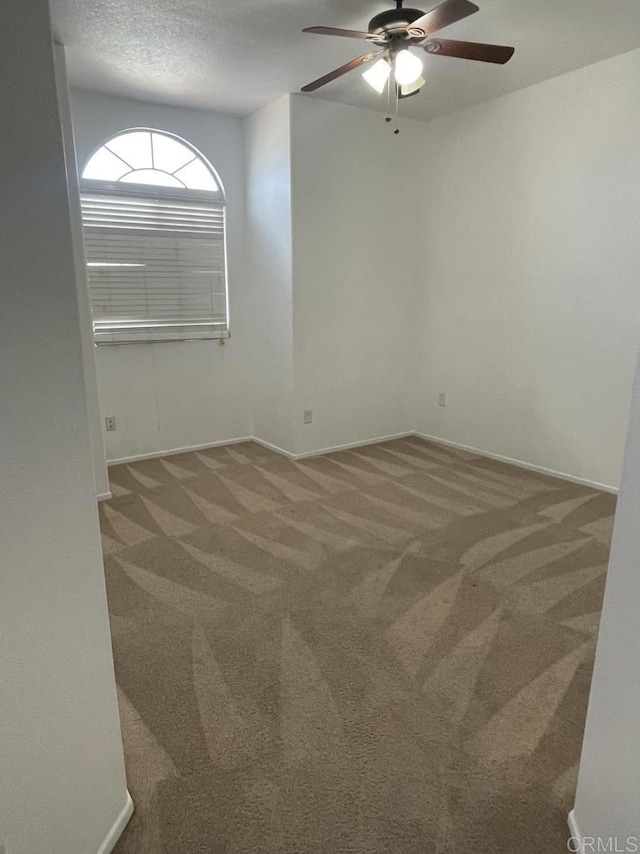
236 56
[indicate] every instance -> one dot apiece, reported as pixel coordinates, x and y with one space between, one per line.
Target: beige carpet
381 650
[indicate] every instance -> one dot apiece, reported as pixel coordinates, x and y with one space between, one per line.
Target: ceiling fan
395 32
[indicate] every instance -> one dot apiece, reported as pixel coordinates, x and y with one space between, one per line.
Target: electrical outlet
307 416
110 423
442 399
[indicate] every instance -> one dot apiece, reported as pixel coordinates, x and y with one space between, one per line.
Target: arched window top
152 158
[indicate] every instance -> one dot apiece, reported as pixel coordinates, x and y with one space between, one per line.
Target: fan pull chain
397 102
397 94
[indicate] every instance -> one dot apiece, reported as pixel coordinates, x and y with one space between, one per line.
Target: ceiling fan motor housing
394 21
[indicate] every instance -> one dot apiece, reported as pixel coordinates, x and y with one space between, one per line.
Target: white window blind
156 267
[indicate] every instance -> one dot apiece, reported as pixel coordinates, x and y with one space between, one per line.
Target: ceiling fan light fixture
377 75
399 30
407 68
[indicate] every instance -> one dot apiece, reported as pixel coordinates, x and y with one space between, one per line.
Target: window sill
221 338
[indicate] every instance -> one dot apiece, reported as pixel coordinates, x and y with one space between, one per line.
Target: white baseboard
173 451
577 845
333 449
603 487
104 496
270 447
350 445
118 826
289 454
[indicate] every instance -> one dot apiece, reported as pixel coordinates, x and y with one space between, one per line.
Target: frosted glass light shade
411 88
408 68
377 75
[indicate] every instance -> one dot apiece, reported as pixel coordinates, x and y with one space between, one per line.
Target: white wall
92 395
531 294
62 783
490 254
609 781
314 263
355 233
332 272
178 394
267 140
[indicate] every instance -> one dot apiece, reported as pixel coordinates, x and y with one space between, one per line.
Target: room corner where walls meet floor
373 441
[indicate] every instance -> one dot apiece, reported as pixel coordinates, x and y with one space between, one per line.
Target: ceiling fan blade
344 69
470 50
332 31
444 15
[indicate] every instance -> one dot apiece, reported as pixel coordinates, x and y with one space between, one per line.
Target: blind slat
156 267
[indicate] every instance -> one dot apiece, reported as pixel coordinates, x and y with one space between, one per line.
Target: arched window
153 212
